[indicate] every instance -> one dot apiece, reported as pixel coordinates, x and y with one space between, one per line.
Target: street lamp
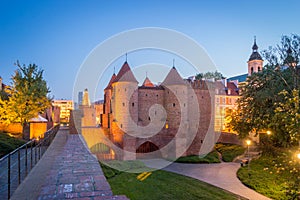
269 132
248 142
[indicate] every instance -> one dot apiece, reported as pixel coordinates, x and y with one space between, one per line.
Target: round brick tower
124 108
107 103
176 105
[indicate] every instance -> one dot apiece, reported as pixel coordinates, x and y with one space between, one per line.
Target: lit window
167 126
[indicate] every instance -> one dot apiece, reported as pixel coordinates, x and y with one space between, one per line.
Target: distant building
86 99
65 107
80 98
255 64
227 93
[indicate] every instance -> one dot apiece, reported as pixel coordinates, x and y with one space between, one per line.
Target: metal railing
16 165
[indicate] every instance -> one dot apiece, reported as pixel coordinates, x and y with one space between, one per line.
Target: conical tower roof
173 78
109 85
125 74
147 83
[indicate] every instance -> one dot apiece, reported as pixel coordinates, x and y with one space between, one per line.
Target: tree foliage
27 95
210 75
270 99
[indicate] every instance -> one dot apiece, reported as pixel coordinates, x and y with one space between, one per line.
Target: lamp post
248 142
298 156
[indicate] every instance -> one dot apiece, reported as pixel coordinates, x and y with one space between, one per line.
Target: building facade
65 107
135 121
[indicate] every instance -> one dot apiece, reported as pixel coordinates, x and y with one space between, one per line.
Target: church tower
86 98
255 62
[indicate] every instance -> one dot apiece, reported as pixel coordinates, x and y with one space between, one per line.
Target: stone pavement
222 175
66 171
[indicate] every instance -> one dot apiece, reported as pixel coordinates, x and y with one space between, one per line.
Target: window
149 118
174 105
121 125
251 70
123 104
132 104
146 95
258 68
125 89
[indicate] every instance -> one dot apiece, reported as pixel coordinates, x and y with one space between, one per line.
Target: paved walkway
222 175
66 171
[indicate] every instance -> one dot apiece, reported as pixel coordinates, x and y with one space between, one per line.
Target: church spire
255 55
254 47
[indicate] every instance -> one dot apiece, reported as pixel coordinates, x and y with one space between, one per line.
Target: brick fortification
129 109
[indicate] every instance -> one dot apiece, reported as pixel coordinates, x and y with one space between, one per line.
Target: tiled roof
109 85
125 74
234 91
173 78
148 83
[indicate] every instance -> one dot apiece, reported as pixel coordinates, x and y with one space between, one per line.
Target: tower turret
255 62
176 105
124 103
86 98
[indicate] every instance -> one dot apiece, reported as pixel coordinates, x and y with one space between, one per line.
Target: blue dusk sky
58 35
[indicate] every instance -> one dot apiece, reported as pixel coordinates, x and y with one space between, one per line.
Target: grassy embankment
227 151
276 174
158 184
9 143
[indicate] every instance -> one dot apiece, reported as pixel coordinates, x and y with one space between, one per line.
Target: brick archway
103 152
148 147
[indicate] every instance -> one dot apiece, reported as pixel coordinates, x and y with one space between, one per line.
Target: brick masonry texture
76 174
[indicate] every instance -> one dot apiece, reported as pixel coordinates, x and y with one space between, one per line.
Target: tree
27 96
270 99
209 75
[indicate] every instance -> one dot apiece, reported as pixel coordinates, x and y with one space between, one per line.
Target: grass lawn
273 175
8 143
229 151
160 185
212 157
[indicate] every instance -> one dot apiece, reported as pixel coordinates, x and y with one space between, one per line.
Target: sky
59 35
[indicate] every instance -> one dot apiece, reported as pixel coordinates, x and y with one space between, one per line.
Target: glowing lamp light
248 142
298 155
269 132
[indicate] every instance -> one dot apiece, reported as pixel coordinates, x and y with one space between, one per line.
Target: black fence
15 166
